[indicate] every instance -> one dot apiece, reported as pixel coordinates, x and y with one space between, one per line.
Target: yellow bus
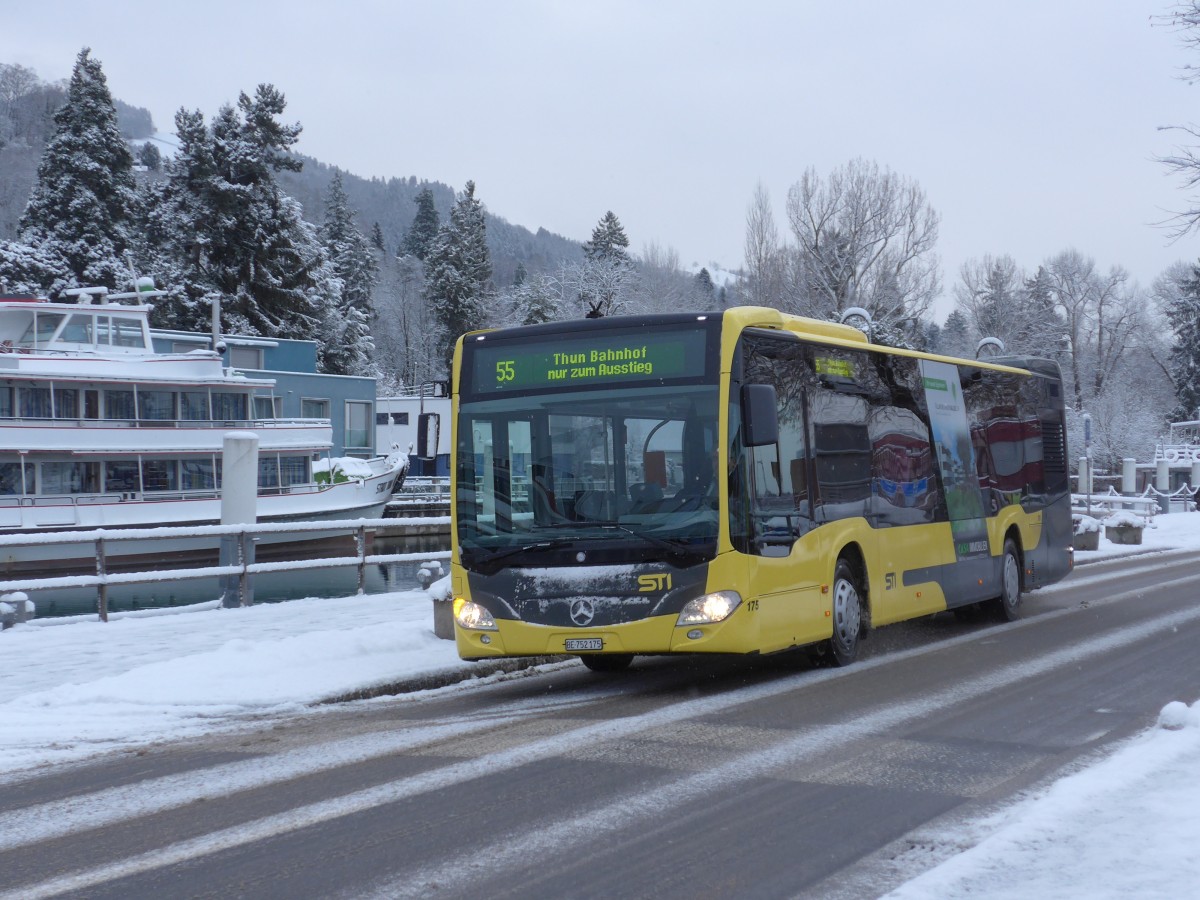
742 481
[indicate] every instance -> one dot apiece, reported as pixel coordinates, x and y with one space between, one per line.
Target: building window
245 357
312 408
358 417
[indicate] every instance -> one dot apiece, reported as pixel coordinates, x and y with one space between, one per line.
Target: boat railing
204 424
241 568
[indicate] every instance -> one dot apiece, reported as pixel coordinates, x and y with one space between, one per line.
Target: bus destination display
597 359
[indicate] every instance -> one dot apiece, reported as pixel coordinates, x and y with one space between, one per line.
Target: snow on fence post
1162 476
1128 476
360 545
1195 474
239 506
102 587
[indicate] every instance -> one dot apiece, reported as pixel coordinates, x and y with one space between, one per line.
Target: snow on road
77 687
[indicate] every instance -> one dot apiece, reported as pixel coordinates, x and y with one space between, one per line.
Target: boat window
66 403
78 329
193 405
294 469
121 476
127 332
268 471
119 405
229 406
267 407
41 329
159 405
35 403
6 402
10 478
160 475
70 477
199 475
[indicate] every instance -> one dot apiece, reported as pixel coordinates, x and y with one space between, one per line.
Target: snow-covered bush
1084 524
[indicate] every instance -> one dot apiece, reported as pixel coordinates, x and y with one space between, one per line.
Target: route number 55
505 370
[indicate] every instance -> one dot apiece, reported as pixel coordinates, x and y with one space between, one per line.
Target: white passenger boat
97 430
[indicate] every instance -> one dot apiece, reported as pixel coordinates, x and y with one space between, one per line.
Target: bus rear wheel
842 648
1008 605
609 662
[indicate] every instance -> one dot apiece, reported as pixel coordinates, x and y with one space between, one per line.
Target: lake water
271 587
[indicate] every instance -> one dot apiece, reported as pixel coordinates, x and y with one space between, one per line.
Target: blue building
347 401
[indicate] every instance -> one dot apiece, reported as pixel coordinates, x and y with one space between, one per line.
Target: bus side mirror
760 421
428 427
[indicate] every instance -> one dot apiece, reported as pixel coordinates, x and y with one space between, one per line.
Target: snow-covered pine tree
222 227
537 299
377 238
1182 309
458 272
606 268
30 270
85 196
424 229
355 266
609 241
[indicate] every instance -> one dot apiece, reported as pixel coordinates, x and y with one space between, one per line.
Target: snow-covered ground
76 687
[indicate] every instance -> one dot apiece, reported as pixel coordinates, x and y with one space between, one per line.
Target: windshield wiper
496 555
674 546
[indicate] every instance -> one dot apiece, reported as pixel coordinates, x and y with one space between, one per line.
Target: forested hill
27 106
392 204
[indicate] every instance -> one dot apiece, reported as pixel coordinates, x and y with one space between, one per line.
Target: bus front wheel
611 662
842 647
1008 604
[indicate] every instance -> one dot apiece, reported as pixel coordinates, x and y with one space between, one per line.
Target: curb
440 678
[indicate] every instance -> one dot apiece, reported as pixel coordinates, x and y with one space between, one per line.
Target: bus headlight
715 607
473 616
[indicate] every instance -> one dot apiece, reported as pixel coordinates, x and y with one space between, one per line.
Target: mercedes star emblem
582 611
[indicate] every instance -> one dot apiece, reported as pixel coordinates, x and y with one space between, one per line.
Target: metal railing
1102 504
422 495
240 568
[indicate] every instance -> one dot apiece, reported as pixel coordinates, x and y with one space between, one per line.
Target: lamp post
1087 452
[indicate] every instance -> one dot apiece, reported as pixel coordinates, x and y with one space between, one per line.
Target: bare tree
662 284
866 237
762 251
996 299
1185 162
1101 315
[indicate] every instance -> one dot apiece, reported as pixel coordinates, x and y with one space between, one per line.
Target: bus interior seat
645 494
595 505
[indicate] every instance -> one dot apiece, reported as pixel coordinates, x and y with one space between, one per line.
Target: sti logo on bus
659 581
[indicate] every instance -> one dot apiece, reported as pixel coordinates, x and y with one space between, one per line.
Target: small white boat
98 430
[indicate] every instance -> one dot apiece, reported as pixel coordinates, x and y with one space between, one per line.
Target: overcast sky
1031 125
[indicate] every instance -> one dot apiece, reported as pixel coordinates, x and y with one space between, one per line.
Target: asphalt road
678 778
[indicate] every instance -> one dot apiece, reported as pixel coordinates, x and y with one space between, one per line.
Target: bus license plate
585 644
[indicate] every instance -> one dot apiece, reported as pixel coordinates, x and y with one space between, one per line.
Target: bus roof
742 317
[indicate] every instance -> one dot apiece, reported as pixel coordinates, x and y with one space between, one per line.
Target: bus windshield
545 477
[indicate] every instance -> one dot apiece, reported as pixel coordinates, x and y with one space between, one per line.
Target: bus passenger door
784 574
